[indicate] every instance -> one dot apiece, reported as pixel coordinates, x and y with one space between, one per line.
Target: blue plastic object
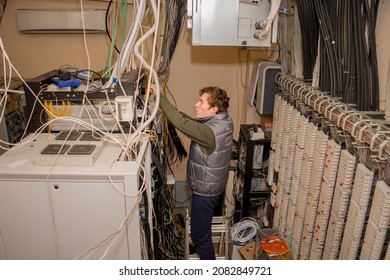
74 82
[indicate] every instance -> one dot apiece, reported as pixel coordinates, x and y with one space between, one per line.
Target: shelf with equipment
254 192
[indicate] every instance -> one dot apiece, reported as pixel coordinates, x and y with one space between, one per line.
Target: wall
35 54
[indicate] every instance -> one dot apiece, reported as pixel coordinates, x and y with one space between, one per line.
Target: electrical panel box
229 22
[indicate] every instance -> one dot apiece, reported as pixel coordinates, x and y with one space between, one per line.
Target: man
211 135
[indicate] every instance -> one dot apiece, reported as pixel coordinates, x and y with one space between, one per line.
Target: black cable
329 43
309 29
106 22
174 14
343 34
176 141
371 8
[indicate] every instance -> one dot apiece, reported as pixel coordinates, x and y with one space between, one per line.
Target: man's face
202 107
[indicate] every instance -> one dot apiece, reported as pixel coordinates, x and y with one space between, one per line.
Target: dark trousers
202 209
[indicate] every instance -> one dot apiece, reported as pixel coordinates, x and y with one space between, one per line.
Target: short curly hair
217 98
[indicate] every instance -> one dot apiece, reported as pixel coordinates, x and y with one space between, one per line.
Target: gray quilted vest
207 175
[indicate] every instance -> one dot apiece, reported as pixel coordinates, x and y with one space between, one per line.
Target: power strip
256 133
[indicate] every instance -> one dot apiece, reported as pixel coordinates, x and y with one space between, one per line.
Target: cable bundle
244 231
347 48
181 152
274 245
309 28
174 15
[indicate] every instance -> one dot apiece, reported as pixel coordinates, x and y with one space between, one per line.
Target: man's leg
201 218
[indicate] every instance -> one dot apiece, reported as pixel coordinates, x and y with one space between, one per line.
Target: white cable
267 23
85 44
128 44
109 105
244 231
148 67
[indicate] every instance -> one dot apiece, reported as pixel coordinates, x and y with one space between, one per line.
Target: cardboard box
266 122
266 125
253 250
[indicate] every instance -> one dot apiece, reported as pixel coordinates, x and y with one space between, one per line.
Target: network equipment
62 211
96 105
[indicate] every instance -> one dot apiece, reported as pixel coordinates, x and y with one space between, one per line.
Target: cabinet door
86 213
61 220
26 224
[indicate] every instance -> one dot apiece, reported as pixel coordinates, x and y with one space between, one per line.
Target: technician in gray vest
211 135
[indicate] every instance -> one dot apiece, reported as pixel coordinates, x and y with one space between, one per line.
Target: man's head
212 100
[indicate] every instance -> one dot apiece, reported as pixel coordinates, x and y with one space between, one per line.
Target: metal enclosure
228 22
56 210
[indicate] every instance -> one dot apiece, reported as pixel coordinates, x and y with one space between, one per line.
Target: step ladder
219 230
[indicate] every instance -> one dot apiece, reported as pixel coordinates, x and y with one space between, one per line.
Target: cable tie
380 151
335 106
296 85
308 96
376 135
354 127
290 85
325 99
315 102
285 83
327 109
300 92
352 113
339 117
